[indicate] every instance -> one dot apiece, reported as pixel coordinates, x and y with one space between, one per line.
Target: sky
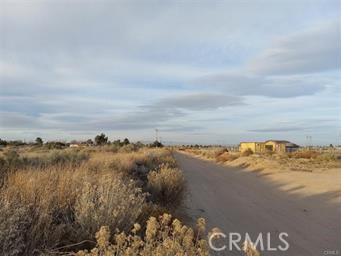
210 72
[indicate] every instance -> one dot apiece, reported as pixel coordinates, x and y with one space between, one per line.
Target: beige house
253 146
268 146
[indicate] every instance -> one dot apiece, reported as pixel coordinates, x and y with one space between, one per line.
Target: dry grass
53 202
11 161
62 206
54 199
247 152
217 154
308 154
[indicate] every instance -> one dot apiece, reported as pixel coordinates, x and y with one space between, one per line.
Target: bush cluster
166 186
308 154
162 236
62 198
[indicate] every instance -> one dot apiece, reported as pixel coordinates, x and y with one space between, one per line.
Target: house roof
278 141
251 142
292 145
287 143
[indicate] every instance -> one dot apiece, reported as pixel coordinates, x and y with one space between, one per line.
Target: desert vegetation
53 201
95 198
306 160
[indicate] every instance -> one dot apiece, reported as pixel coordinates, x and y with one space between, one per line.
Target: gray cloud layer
243 84
198 101
314 50
285 69
157 114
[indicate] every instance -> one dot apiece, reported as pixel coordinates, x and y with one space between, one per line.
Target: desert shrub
111 202
166 186
114 148
155 158
328 157
59 198
220 151
247 152
55 145
250 249
309 154
33 224
124 164
128 148
209 153
163 236
63 205
9 162
140 163
73 158
227 157
14 225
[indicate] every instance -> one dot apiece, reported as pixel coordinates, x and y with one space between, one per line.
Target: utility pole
309 141
156 134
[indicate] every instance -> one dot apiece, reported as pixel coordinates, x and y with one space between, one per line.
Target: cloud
279 129
243 84
314 50
198 101
10 120
304 124
162 113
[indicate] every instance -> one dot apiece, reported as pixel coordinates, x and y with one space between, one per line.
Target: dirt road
244 202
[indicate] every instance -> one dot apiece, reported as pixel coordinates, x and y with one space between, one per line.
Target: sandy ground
237 200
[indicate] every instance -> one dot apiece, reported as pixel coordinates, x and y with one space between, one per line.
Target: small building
269 146
253 146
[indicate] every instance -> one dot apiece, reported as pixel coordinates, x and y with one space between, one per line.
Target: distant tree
139 144
156 144
126 141
55 145
101 139
117 143
3 142
16 143
89 142
39 141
